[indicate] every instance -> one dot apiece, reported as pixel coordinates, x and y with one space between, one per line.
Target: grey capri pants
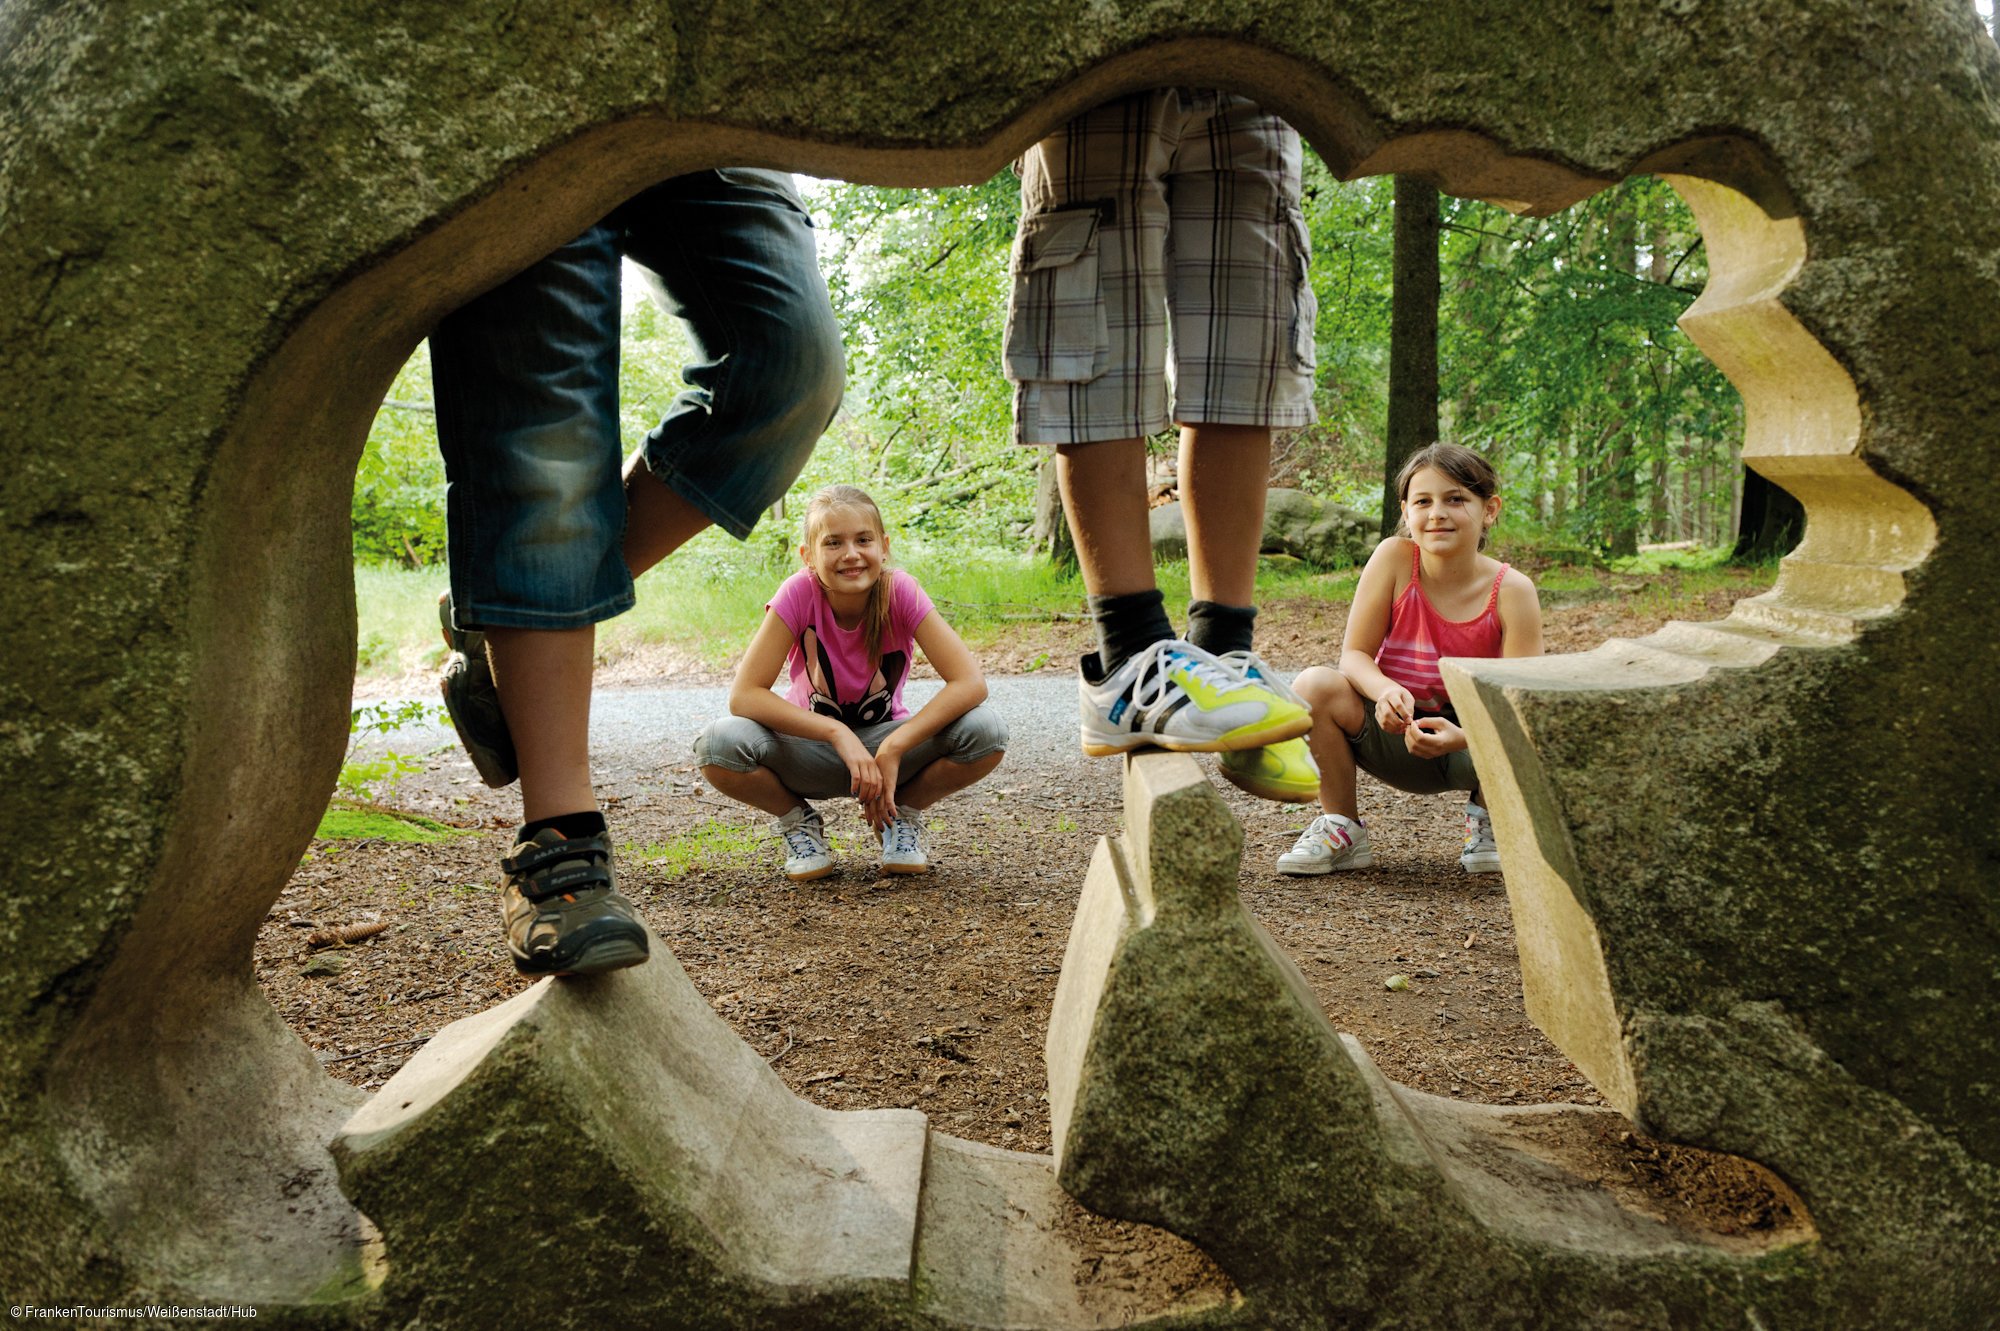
811 769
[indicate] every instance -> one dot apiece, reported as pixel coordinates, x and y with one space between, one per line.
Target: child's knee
978 735
1317 685
730 744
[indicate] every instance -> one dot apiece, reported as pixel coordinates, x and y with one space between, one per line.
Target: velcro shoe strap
534 857
574 878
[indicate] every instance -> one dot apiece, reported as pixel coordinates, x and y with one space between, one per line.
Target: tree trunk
1621 461
1559 487
1413 328
1051 532
1661 522
1659 270
1772 521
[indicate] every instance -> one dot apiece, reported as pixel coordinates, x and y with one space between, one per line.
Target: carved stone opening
228 228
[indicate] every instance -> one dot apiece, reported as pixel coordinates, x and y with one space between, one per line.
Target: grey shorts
1172 209
1384 757
812 770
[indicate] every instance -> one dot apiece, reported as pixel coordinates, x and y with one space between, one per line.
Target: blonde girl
1427 592
845 628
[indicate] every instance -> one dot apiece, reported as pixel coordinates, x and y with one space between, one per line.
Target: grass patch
397 609
713 845
346 822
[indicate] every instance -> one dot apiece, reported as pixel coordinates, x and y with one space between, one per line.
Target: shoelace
1152 681
801 842
1325 832
1245 663
903 837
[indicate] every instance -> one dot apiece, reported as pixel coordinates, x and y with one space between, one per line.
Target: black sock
588 823
1217 628
1128 624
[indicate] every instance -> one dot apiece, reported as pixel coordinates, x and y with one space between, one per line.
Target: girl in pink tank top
1428 592
1419 635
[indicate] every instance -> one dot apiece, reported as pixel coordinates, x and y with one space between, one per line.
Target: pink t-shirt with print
829 664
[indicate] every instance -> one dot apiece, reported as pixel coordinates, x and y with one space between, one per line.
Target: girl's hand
881 811
1433 737
1395 710
864 777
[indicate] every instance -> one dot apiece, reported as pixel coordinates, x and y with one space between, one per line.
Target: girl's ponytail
875 619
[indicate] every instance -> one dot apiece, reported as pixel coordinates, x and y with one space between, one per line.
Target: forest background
1550 344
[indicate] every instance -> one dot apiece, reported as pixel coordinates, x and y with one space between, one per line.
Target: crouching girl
1428 594
846 627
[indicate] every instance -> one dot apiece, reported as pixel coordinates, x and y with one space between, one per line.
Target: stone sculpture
1754 863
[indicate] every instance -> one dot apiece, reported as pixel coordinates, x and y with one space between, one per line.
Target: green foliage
361 778
1559 356
399 484
919 280
1352 229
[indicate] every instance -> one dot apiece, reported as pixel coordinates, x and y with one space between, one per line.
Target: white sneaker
1176 696
806 855
1480 855
1331 842
903 844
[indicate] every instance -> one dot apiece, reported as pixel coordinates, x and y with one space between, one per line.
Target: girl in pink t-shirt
846 628
1429 593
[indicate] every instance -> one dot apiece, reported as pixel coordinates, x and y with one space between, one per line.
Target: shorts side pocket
1056 327
1305 305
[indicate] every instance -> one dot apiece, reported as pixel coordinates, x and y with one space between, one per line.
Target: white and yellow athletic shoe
1176 696
1284 772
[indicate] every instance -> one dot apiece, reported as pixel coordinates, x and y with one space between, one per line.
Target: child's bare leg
543 677
1224 475
1338 711
1104 499
942 777
760 789
657 520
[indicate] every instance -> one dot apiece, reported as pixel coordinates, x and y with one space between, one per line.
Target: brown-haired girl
1427 592
846 626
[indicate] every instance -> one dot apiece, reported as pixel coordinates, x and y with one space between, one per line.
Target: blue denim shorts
812 769
526 379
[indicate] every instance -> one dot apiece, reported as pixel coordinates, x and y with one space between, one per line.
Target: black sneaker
474 704
564 916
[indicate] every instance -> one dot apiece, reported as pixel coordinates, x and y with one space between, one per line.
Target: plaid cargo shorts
1178 205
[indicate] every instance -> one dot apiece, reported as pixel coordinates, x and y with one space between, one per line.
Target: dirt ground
933 992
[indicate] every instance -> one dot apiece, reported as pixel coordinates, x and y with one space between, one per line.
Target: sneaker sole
1487 863
610 955
906 868
496 768
1266 791
810 874
1362 861
1254 739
